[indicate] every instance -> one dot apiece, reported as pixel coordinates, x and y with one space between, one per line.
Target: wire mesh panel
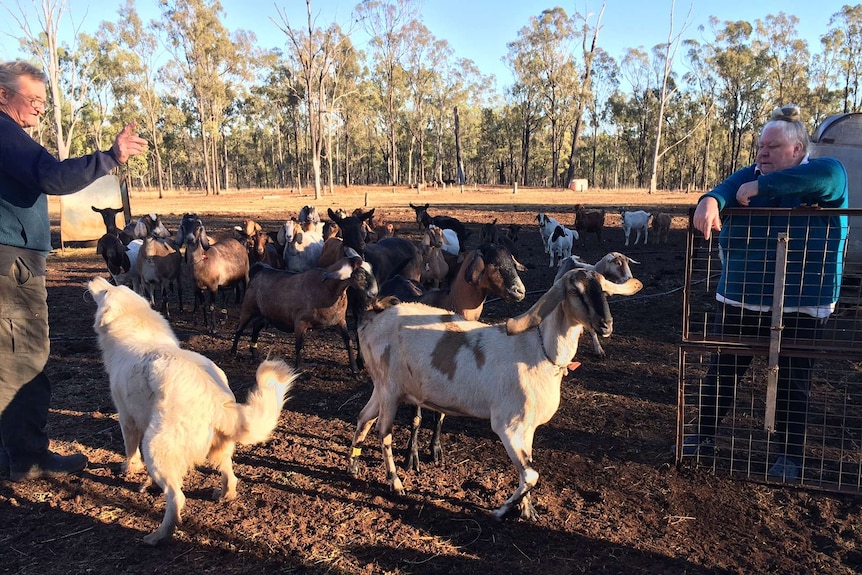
775 381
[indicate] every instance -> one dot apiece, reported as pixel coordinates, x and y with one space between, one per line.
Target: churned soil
609 497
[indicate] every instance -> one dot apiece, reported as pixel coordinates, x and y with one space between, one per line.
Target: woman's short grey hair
788 119
11 71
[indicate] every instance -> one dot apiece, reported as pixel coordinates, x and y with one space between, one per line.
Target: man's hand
128 144
706 219
745 192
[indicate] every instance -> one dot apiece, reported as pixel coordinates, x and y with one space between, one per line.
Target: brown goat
435 269
589 221
264 251
490 234
333 250
661 226
216 266
297 302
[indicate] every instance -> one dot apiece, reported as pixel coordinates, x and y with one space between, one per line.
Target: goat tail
259 414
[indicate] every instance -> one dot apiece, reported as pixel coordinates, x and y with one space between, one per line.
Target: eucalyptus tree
284 91
738 65
387 23
525 102
665 56
457 84
131 50
424 58
846 36
787 59
702 86
589 36
350 103
824 71
316 53
634 116
604 82
541 59
210 61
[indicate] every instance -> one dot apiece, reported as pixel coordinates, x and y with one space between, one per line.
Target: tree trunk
226 164
458 158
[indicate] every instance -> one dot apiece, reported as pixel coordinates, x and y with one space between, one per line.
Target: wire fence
759 386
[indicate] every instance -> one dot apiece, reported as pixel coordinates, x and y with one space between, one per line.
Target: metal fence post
777 326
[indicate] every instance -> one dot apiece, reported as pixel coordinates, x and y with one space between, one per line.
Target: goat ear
474 268
344 271
518 265
632 286
534 316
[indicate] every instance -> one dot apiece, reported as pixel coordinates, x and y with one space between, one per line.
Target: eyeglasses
35 101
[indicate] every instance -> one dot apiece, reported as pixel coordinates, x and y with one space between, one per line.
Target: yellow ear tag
356 452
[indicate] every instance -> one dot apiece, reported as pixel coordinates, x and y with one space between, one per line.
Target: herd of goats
415 305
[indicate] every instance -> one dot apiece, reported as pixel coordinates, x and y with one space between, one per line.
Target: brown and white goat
615 268
488 270
509 375
301 247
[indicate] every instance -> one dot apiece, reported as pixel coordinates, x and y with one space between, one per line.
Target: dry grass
278 201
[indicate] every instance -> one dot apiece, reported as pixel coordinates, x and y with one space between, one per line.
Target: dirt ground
609 498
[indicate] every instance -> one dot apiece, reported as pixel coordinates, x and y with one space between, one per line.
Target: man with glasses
28 174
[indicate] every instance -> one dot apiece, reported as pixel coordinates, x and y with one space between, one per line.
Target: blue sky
476 29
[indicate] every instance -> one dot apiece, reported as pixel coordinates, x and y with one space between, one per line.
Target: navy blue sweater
28 174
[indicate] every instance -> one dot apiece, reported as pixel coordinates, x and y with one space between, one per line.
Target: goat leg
255 334
525 506
518 443
412 463
299 336
345 336
597 346
436 445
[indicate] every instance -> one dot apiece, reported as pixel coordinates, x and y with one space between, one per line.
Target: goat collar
569 367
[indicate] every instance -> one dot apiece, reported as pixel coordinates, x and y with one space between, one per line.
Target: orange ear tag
573 366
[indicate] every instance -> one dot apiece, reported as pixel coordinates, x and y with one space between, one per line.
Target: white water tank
840 137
